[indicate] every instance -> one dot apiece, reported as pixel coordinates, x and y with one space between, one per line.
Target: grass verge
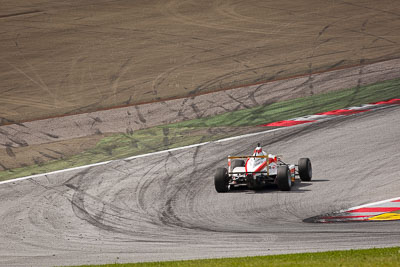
212 128
361 257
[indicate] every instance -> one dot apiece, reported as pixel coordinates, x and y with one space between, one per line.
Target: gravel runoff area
68 57
128 119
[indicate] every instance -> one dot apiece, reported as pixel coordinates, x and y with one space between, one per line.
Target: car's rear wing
246 157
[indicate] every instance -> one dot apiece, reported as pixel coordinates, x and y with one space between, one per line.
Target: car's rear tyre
221 180
251 184
305 169
237 163
283 178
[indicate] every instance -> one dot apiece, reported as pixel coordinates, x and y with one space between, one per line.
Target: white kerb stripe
372 204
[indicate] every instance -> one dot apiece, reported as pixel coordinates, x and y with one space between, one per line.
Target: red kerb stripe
376 209
286 123
342 112
389 102
345 217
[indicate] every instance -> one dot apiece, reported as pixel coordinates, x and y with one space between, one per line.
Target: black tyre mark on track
20 14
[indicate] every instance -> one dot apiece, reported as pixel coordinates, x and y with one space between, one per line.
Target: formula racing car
259 170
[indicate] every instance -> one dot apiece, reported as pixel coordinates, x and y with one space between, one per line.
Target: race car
259 170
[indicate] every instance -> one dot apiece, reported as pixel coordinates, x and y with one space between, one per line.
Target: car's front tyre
305 169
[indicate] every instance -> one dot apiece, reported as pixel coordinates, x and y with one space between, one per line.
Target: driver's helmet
258 151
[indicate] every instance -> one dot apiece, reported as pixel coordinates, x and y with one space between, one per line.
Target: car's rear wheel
251 184
305 169
283 178
221 180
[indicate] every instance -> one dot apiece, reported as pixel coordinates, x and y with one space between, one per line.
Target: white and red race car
259 170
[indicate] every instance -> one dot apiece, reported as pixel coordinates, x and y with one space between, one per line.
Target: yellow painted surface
386 217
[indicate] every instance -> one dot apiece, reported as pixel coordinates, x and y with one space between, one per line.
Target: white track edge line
143 155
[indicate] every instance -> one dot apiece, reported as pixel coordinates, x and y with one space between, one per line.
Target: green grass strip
209 129
116 147
361 257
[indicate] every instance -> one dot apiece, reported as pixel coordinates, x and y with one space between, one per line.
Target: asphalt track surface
165 207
